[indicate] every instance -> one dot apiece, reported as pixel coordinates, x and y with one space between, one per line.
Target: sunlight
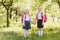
15 29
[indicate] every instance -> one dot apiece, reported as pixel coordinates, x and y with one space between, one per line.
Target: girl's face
39 8
27 11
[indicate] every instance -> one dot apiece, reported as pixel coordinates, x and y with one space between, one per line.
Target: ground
16 33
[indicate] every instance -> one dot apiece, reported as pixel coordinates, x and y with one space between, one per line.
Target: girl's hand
33 22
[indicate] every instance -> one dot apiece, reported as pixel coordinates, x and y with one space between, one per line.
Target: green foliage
51 29
50 9
55 0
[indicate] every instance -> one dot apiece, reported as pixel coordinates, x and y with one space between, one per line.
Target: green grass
16 33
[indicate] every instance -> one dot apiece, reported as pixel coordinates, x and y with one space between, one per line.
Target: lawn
16 33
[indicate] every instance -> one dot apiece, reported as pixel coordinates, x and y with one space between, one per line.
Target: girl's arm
24 20
33 22
23 23
36 18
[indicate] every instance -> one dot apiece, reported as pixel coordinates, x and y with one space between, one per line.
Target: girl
26 23
39 21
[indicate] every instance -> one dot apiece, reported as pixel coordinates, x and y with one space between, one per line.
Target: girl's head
27 11
39 8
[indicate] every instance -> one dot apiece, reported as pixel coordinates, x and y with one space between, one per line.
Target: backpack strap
23 17
42 14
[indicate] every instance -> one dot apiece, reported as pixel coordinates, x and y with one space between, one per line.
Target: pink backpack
44 18
23 18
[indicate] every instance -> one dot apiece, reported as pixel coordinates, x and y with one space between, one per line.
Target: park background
10 19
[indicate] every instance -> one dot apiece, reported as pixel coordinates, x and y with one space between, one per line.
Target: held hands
33 22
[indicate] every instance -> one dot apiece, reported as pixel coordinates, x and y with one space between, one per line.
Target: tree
7 4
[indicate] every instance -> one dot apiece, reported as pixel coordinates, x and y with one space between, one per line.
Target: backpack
44 17
23 18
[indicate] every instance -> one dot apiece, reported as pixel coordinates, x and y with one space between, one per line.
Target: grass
16 33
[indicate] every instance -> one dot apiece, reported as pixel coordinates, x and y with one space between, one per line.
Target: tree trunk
7 17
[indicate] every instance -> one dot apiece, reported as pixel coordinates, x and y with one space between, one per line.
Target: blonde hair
40 7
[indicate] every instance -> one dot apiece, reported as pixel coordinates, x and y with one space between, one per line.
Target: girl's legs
40 31
25 33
